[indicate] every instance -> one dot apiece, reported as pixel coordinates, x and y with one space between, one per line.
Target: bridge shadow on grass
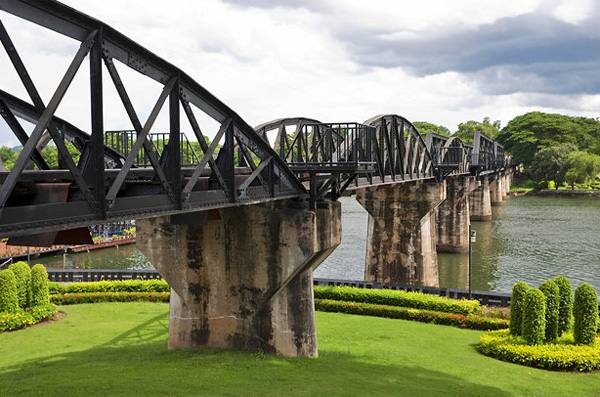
137 362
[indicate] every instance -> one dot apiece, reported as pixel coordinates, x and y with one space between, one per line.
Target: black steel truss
143 179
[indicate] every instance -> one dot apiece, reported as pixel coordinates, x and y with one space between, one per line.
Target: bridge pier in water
242 277
401 232
452 216
480 202
497 192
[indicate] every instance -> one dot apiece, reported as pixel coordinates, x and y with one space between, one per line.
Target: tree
466 131
8 156
582 168
551 163
524 135
425 127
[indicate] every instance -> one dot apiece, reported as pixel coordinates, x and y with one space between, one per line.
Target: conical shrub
9 298
39 286
565 304
585 311
534 316
552 293
516 307
23 275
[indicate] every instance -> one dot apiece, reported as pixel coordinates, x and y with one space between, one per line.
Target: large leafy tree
551 163
583 167
425 127
466 131
524 135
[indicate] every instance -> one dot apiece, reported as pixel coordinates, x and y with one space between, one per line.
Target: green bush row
111 286
24 318
96 297
427 316
557 356
415 300
22 287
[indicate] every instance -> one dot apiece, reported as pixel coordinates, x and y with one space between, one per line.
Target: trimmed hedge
416 300
534 316
427 316
559 356
24 318
23 276
516 307
39 286
551 291
9 297
565 304
96 297
111 286
585 311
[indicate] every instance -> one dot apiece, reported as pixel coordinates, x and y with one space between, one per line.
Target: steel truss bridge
141 173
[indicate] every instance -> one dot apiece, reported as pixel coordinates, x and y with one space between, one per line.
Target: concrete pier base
452 215
242 277
401 232
480 204
497 190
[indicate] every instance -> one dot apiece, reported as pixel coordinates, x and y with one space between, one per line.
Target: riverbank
565 193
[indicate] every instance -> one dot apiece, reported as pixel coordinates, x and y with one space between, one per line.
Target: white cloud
573 11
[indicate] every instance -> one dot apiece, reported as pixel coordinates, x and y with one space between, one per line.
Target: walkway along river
531 238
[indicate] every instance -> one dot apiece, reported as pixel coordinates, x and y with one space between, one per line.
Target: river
530 238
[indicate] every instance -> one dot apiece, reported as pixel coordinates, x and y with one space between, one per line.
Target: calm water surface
530 239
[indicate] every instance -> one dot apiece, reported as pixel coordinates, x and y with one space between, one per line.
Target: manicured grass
119 349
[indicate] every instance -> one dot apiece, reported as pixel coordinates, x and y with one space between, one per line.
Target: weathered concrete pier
242 277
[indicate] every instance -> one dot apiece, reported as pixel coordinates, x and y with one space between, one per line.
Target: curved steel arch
170 189
401 152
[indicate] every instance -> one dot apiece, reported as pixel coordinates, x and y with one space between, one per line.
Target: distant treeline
554 149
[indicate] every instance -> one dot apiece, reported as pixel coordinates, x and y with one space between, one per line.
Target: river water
530 238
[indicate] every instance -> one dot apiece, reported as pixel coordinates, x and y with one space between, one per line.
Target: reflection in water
530 238
123 257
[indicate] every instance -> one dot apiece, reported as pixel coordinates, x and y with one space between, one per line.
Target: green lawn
115 349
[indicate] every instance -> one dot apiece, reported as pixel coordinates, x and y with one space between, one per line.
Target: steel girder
98 194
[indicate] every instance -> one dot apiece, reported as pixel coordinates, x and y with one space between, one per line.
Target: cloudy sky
435 60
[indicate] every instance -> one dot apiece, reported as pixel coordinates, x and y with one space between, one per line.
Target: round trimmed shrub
585 311
40 294
565 304
551 291
23 275
534 316
516 307
9 298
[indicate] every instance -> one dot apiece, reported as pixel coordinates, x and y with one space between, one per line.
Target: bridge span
237 223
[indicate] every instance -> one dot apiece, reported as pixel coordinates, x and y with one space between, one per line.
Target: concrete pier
497 190
452 215
401 232
242 277
480 204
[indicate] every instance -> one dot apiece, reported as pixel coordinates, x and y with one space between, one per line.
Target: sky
435 60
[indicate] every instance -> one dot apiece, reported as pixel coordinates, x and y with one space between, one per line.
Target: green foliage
50 154
552 293
516 307
525 134
415 300
565 304
534 316
23 276
96 297
582 169
551 163
9 297
466 131
559 356
426 316
24 318
8 156
111 286
39 286
425 127
585 311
